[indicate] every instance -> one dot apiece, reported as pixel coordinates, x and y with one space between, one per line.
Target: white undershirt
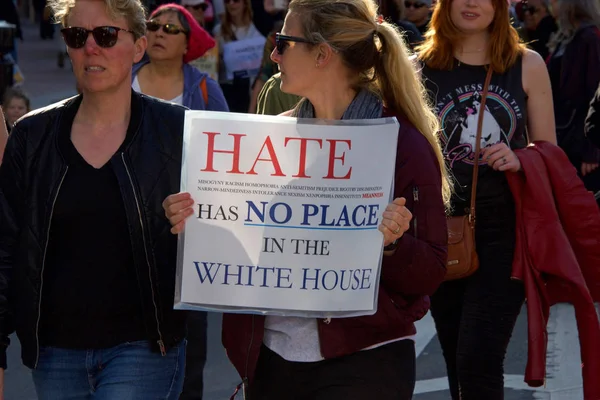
297 339
136 86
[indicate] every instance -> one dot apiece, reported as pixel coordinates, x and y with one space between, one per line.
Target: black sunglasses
409 4
104 36
282 42
169 29
201 6
529 9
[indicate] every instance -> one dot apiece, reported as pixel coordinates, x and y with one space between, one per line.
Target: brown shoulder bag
462 254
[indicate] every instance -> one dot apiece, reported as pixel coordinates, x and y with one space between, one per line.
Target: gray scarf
366 105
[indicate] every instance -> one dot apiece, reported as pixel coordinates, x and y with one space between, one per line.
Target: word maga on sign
286 214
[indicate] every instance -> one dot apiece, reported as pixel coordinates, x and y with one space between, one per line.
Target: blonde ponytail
377 54
397 80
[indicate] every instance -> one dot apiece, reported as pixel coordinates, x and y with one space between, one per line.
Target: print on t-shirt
459 113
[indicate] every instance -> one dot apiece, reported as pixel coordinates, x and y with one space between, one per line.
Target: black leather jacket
31 174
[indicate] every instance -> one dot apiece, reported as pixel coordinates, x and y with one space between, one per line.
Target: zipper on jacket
39 317
414 211
160 341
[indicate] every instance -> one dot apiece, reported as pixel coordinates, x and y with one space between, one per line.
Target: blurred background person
394 11
174 40
15 104
267 66
237 31
539 24
418 12
574 67
202 11
8 13
43 14
265 13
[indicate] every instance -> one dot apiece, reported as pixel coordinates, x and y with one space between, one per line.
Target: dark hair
14 93
391 10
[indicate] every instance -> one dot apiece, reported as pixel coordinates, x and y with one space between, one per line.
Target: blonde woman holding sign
346 65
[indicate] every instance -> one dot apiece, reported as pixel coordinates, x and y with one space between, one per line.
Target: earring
317 65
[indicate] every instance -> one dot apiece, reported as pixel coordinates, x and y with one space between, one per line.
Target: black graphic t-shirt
456 95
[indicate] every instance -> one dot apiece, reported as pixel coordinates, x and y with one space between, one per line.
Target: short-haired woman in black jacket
87 264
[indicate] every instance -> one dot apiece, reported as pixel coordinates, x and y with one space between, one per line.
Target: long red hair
437 51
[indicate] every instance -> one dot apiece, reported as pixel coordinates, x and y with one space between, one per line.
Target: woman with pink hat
174 39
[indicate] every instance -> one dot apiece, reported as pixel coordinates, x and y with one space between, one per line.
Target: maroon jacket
557 255
407 279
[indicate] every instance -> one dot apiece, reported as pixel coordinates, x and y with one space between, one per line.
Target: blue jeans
129 371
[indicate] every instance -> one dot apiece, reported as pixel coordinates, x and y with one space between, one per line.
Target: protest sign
209 63
286 214
242 58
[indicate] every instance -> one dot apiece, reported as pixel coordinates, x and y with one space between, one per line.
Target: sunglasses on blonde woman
104 36
282 42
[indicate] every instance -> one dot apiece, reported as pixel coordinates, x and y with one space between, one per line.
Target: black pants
237 95
193 385
384 373
475 317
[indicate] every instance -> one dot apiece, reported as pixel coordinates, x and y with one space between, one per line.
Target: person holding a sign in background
240 46
87 264
175 39
475 316
346 65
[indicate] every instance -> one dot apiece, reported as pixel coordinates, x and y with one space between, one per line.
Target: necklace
463 52
472 51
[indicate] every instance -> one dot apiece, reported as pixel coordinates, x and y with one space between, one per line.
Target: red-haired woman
475 316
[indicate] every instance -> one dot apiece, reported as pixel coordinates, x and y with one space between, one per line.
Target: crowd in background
569 42
192 59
